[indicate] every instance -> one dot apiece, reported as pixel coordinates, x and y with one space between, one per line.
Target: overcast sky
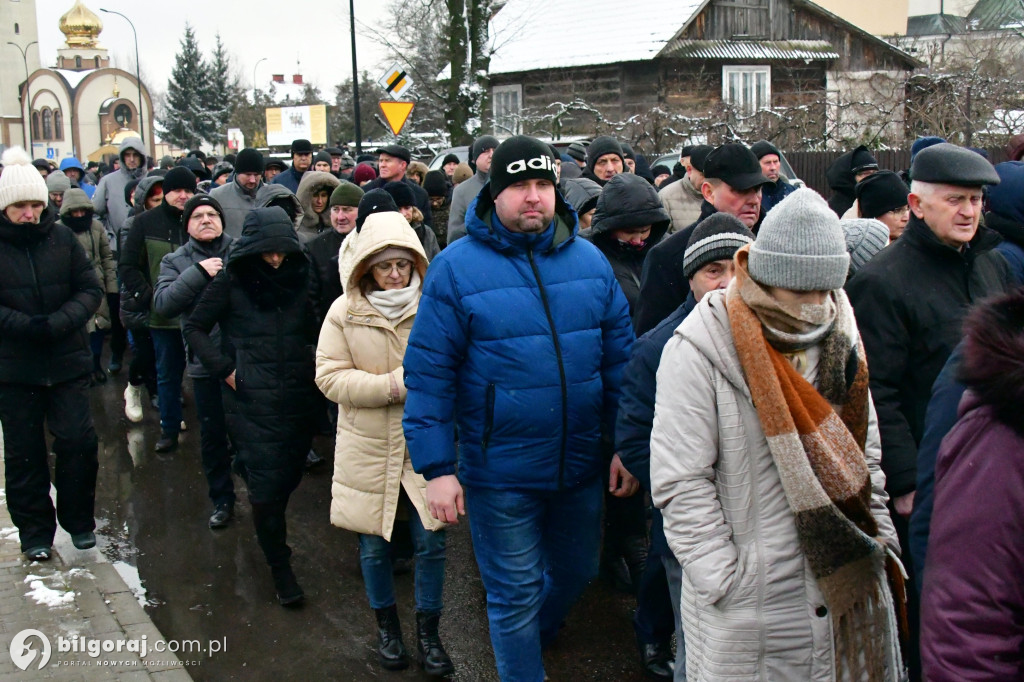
314 32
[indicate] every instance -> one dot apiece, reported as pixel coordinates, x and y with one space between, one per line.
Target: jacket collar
23 235
1010 231
921 237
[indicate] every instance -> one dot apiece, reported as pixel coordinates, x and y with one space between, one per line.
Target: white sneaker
133 403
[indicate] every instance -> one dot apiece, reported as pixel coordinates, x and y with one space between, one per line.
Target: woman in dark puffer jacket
261 300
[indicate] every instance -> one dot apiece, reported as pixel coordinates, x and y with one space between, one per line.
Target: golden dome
81 26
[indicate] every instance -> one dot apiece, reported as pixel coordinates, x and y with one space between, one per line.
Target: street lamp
24 102
355 81
260 61
138 78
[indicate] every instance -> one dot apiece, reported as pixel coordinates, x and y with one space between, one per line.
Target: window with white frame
507 102
748 88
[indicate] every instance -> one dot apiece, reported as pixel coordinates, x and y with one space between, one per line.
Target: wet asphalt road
208 585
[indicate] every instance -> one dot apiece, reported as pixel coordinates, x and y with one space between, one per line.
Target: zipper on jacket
35 281
485 438
561 368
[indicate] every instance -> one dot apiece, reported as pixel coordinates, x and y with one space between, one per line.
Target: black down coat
48 292
910 301
627 201
268 333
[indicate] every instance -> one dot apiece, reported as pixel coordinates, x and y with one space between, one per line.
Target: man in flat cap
302 159
910 300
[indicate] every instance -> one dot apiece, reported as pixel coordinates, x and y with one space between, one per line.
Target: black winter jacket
909 301
842 181
48 292
626 201
663 288
326 281
153 234
182 281
270 333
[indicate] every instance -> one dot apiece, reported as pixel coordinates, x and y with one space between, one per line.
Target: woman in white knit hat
48 293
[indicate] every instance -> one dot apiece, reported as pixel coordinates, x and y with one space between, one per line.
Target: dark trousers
912 650
170 370
142 370
653 621
118 334
64 408
213 437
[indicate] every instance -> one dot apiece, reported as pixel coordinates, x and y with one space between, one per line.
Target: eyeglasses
900 212
402 265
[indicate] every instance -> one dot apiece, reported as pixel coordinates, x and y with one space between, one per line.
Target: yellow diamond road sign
396 114
395 81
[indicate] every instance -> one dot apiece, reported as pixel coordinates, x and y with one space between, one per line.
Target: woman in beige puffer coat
359 366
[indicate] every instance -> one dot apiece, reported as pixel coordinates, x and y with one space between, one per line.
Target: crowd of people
788 426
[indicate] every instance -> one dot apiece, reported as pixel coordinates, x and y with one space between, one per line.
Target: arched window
78 62
17 29
58 125
47 124
35 125
97 61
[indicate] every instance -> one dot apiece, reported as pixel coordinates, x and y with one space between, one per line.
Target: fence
811 167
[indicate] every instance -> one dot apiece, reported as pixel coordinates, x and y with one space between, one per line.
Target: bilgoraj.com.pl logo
30 645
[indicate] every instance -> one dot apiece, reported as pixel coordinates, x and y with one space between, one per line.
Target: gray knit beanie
57 182
800 246
865 237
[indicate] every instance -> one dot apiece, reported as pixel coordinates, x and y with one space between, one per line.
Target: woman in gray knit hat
765 460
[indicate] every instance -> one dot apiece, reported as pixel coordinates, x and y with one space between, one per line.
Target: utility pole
26 105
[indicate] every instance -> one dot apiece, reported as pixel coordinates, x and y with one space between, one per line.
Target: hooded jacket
269 192
153 234
236 202
532 388
970 609
751 608
82 184
108 199
580 193
842 181
910 300
93 238
358 354
268 329
181 283
627 201
48 293
142 189
312 224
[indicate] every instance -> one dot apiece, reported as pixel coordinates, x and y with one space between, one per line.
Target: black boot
390 648
429 651
288 591
168 442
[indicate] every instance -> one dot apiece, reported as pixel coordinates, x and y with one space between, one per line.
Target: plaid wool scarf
817 441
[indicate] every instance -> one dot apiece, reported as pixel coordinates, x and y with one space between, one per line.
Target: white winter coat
750 606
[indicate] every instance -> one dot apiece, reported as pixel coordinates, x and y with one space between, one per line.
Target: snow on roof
550 34
74 77
746 49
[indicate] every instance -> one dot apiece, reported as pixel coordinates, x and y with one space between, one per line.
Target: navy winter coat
521 338
636 410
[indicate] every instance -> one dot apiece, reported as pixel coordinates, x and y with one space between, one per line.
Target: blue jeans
537 551
375 559
170 369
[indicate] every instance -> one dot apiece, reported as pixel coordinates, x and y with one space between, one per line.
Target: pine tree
224 92
187 120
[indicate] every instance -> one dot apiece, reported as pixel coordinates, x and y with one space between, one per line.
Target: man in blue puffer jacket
521 336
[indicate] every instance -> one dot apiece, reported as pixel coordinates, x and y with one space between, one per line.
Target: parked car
462 152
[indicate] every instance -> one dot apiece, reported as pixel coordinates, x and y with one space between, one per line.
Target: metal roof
745 49
934 24
994 15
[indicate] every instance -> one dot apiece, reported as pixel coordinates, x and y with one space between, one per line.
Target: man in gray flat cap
910 301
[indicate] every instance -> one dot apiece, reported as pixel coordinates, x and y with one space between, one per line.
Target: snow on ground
130 575
53 597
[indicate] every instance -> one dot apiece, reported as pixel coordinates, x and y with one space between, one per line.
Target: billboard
285 124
